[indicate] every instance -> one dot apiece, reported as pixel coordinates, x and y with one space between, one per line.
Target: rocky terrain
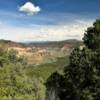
41 52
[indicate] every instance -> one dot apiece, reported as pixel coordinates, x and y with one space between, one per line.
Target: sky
46 20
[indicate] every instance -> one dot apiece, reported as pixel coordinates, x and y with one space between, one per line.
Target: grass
45 70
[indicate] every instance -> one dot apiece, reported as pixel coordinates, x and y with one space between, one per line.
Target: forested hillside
20 80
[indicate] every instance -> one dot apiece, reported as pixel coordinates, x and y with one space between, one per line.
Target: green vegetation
20 81
68 78
45 70
53 44
81 79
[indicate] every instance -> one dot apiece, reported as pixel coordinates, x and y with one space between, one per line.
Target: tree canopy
81 79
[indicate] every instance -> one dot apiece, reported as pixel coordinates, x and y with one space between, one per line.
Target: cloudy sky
46 20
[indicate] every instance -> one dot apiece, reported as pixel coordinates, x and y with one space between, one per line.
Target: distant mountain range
60 44
72 42
41 52
9 43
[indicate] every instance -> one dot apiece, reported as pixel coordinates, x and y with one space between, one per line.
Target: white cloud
29 8
45 33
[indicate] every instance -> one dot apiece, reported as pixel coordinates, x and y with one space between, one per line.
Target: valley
41 53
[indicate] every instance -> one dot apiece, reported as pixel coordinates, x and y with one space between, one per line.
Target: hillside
9 43
41 52
71 42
